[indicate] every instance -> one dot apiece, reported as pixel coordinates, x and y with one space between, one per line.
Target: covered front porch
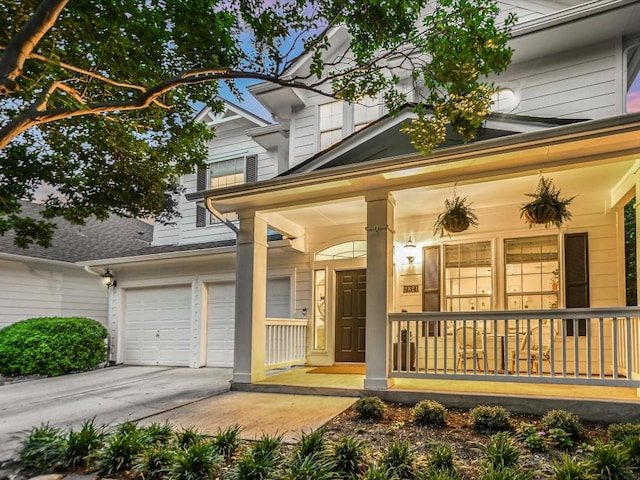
502 304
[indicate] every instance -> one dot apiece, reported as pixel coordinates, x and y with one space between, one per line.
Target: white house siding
580 84
305 130
37 289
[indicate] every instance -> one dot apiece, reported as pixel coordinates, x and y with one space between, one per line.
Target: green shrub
505 473
608 461
44 449
120 452
618 431
369 408
377 472
187 436
157 433
51 346
227 441
312 443
348 455
502 451
83 444
154 463
567 421
559 438
569 468
198 462
490 419
429 413
400 460
631 444
260 461
442 460
314 466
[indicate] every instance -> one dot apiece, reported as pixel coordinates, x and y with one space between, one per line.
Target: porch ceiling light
410 250
108 280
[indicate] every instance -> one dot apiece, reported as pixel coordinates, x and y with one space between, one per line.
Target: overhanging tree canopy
96 96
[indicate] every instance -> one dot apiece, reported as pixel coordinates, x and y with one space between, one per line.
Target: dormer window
339 119
331 123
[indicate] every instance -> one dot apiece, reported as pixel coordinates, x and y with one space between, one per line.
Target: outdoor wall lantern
108 279
410 250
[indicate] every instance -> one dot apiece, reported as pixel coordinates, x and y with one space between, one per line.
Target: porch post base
248 378
378 383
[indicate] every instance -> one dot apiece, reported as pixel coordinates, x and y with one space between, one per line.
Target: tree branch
36 115
23 42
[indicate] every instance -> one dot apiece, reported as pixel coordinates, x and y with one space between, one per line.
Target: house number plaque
410 289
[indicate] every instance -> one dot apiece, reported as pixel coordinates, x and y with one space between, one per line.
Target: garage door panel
220 320
157 326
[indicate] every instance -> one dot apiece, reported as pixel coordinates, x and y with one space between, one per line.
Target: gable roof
231 112
74 243
383 139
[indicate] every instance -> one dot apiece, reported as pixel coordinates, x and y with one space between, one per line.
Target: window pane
365 111
468 276
320 311
532 272
329 138
331 122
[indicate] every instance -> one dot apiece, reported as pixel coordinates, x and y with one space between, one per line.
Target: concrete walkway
111 395
257 414
184 397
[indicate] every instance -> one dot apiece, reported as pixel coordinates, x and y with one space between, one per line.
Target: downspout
220 216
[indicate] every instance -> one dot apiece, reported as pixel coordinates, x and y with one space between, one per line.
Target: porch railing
285 342
593 346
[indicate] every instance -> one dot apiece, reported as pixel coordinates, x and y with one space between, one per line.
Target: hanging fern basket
456 217
540 214
546 207
455 222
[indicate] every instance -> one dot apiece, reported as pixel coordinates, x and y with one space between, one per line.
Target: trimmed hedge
51 346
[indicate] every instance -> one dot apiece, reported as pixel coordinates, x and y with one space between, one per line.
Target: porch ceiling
596 180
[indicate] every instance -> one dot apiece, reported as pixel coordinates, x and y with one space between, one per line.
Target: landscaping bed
371 440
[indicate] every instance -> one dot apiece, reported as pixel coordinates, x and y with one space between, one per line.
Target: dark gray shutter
431 284
576 272
201 184
251 174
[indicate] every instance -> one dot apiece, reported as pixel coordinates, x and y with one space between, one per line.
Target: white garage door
220 320
157 326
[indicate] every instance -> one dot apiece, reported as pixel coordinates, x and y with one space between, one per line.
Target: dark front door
351 312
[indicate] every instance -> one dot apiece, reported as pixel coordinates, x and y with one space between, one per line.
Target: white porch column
379 288
251 286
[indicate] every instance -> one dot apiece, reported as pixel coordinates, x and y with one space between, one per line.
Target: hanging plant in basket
456 217
546 207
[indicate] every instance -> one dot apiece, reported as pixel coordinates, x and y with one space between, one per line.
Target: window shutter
431 284
576 270
251 169
201 184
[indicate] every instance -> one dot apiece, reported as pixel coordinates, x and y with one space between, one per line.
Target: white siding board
30 290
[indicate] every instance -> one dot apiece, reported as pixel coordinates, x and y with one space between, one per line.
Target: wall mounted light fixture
108 280
410 250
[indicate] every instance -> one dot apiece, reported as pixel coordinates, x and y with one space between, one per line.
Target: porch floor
600 404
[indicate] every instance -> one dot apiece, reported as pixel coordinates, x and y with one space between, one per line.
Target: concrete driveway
111 395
